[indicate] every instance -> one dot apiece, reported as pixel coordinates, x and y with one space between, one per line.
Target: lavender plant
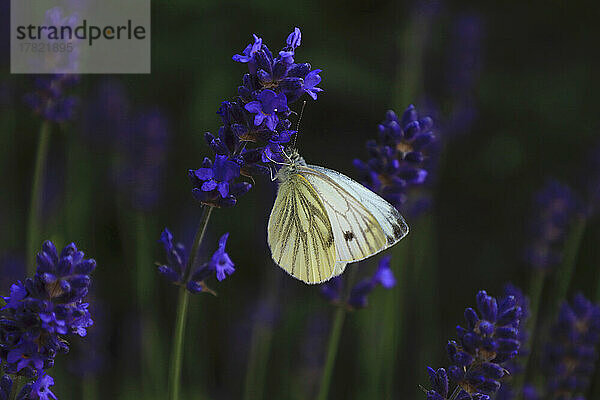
570 355
256 127
50 101
39 314
478 356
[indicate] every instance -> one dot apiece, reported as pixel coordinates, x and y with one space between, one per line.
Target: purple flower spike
486 342
400 158
41 312
256 125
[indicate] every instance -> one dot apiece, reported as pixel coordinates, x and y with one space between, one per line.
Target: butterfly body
322 220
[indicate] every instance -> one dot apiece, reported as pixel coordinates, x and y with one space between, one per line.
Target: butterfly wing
363 223
299 232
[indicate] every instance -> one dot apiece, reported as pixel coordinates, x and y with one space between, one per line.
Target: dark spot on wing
398 232
348 236
390 240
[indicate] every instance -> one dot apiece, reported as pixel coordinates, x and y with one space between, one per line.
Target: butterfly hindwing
299 233
363 223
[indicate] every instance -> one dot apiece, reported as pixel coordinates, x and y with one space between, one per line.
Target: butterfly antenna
298 124
276 162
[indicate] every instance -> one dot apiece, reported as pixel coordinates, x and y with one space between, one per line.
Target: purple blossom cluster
570 356
489 339
333 289
514 366
256 124
50 100
398 157
175 271
555 206
40 312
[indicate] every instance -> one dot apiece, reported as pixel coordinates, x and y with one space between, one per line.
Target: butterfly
322 220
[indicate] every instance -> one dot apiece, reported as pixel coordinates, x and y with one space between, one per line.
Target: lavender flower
555 207
256 124
489 340
175 272
332 289
40 388
570 356
143 158
397 156
106 114
40 312
49 99
514 365
465 61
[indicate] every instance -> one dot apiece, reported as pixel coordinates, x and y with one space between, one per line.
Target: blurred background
513 96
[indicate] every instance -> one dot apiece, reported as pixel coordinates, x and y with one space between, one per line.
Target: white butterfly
322 220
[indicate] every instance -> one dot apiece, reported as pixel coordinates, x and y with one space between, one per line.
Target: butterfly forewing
299 234
363 223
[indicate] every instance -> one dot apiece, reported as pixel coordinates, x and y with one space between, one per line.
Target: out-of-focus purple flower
256 124
332 289
49 99
489 339
358 298
40 312
555 206
88 357
570 355
397 156
464 61
219 265
106 114
143 155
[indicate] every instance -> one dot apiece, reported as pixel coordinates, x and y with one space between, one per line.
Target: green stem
425 287
332 348
177 356
565 273
33 225
257 364
182 307
152 360
334 337
536 289
89 388
16 387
